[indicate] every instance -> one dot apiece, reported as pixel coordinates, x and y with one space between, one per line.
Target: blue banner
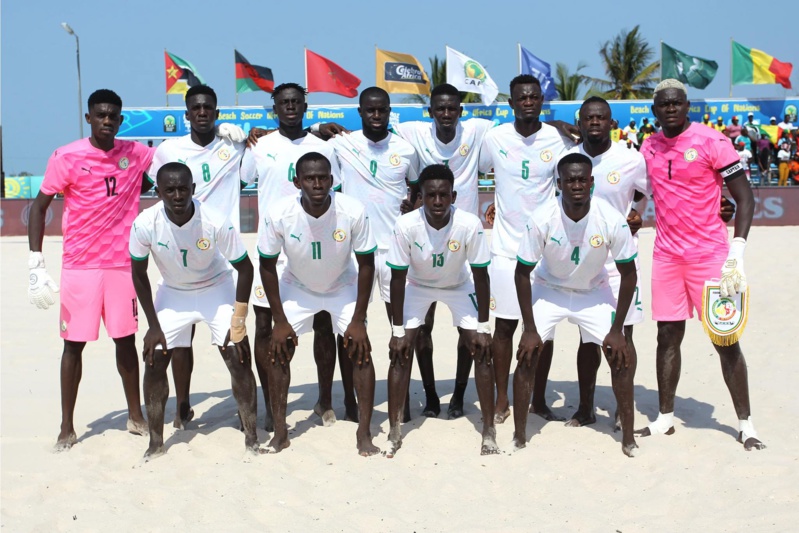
160 123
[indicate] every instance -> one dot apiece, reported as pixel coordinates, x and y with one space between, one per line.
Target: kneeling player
571 237
318 231
191 245
430 249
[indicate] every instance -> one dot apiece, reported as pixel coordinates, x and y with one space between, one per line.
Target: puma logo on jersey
355 151
295 236
420 246
182 161
164 245
89 170
625 226
555 240
428 151
503 153
274 157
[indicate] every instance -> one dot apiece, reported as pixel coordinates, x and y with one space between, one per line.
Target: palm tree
568 84
630 74
438 75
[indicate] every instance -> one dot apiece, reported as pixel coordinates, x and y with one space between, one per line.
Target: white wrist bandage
398 331
484 327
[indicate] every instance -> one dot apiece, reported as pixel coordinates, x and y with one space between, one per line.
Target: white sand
565 480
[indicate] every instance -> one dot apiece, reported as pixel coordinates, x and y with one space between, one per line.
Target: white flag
469 76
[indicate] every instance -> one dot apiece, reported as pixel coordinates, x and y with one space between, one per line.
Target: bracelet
484 327
398 331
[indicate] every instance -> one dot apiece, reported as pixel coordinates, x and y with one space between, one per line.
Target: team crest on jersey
453 245
464 149
690 154
124 163
596 240
259 292
63 325
546 156
339 235
223 154
394 160
614 177
492 303
203 244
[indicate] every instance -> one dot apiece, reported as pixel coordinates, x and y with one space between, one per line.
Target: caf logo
259 292
339 235
224 154
124 163
464 149
690 154
596 240
203 244
614 177
453 245
394 160
546 156
492 304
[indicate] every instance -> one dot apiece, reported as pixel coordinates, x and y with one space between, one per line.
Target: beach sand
567 479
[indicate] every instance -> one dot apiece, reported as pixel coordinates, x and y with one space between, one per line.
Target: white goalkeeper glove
231 132
733 279
42 288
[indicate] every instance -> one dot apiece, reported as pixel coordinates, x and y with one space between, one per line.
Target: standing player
101 179
523 155
686 165
214 162
318 232
193 245
430 249
273 161
569 239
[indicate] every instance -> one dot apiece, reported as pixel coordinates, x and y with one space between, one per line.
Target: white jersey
571 255
438 258
215 169
524 171
374 174
193 256
461 154
618 173
318 250
273 162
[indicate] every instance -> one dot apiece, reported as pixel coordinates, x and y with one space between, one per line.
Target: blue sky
122 46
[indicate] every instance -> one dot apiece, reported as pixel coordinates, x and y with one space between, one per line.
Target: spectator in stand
646 131
706 120
764 154
784 158
719 125
616 134
745 156
734 130
786 124
793 167
632 134
656 125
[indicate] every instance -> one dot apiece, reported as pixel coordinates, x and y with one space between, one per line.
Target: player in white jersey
192 246
567 242
430 250
523 155
273 161
214 162
318 232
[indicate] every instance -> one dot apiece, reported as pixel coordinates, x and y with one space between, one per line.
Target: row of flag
403 73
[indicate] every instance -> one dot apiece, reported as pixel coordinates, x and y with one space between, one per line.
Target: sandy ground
565 480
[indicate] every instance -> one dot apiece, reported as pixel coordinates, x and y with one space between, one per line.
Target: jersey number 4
576 255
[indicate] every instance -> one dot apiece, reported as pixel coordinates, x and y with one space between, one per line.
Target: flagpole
167 94
731 60
661 60
234 78
519 51
305 60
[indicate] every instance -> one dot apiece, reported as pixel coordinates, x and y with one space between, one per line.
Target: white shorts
178 310
462 303
635 314
258 294
382 275
592 311
504 299
301 305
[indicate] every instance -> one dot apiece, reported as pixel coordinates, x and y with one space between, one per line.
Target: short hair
104 96
373 91
200 89
290 85
523 79
574 158
669 83
173 168
436 172
312 157
445 89
595 100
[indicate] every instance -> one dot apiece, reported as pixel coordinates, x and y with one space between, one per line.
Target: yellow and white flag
469 76
400 73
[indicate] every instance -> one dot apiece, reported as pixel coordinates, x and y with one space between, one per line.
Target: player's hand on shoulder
406 207
152 339
232 132
570 131
615 348
530 344
282 344
727 209
635 221
331 129
490 214
255 134
41 286
356 340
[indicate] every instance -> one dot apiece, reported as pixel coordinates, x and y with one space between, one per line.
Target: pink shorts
88 295
677 288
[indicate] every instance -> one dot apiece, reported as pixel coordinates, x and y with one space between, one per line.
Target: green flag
694 71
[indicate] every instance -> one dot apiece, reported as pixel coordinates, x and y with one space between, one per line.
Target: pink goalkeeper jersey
101 199
686 173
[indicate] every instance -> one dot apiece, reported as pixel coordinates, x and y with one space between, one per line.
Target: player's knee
670 333
504 329
126 342
73 349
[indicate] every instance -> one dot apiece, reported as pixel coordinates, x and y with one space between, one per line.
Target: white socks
663 423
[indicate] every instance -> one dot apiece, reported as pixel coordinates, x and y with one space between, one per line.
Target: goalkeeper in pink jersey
686 164
101 179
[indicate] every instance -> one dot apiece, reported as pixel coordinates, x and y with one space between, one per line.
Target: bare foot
646 432
138 428
433 407
154 451
751 443
65 442
394 442
328 416
277 445
519 442
546 413
501 415
455 409
580 419
365 446
630 449
351 411
180 422
489 445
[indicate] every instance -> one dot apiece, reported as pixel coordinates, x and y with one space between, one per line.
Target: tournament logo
724 309
170 125
394 160
453 245
464 149
790 110
690 154
259 292
63 325
224 154
492 304
596 240
203 244
546 156
614 177
339 235
124 163
474 73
